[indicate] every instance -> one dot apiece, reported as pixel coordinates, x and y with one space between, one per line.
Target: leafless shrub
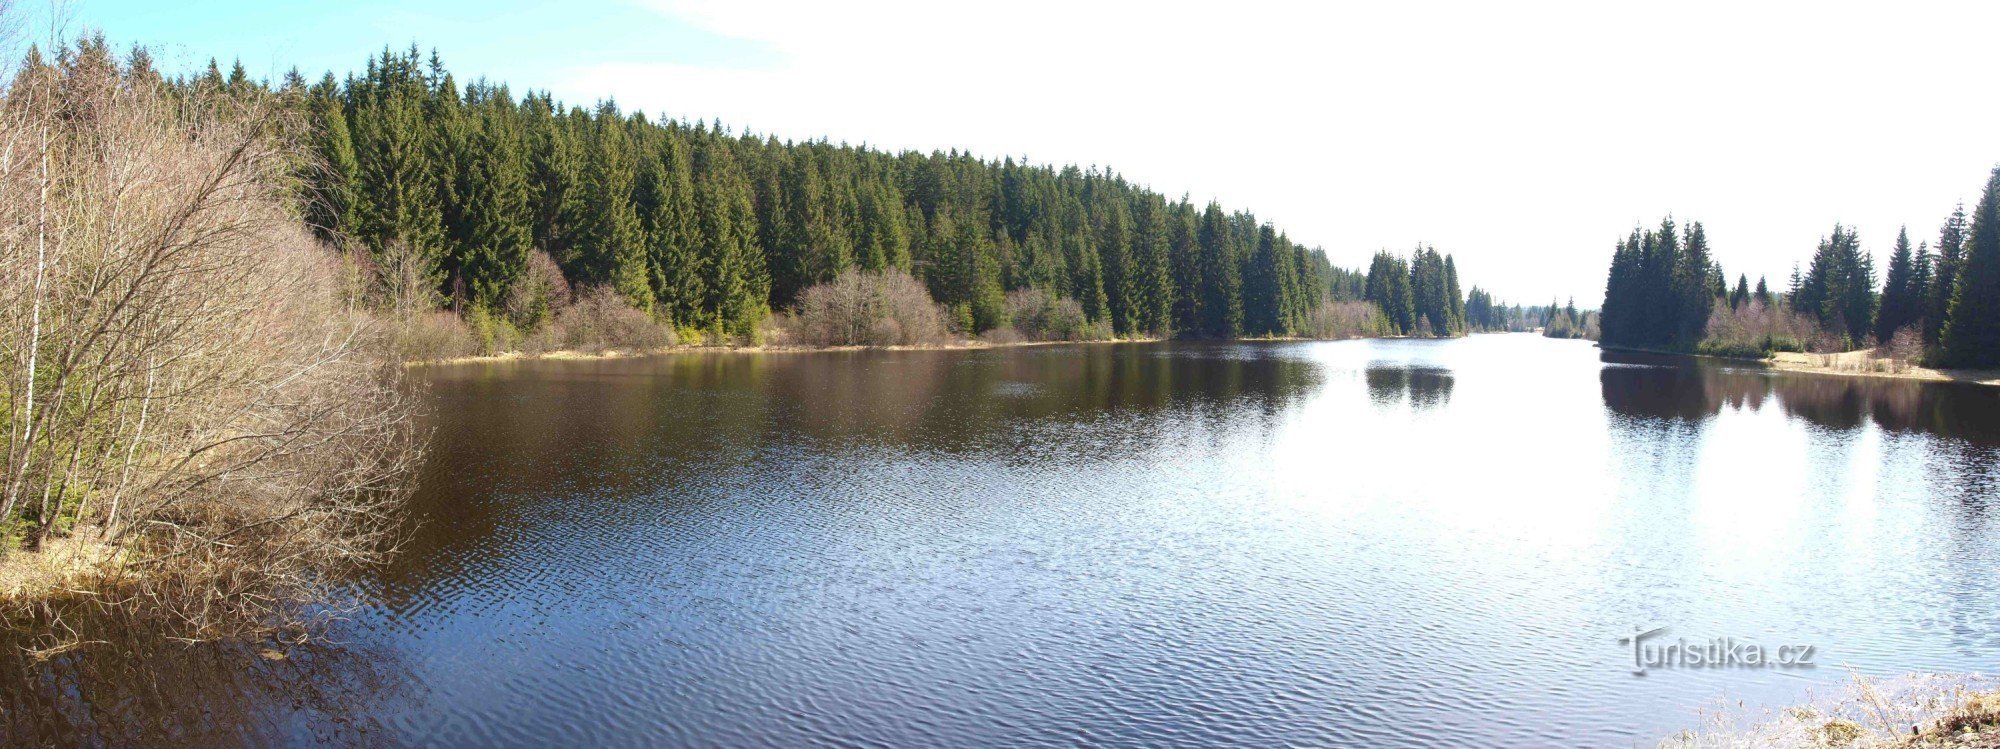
432 336
539 294
885 308
1756 329
602 319
1002 336
186 384
1041 316
1902 350
1341 320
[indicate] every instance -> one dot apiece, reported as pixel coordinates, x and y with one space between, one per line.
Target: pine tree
1151 282
398 207
495 236
334 183
1186 260
610 247
673 235
1944 275
1901 295
736 281
1453 295
1972 328
1113 222
1221 289
1262 297
554 171
1741 295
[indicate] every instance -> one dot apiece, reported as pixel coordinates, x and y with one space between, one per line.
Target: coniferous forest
490 201
1938 302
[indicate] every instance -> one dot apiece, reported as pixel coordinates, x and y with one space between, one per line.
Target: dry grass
1871 363
1918 711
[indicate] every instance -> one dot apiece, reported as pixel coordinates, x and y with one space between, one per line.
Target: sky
1523 138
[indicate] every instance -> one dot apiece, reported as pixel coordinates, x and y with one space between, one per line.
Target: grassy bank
1863 363
1922 711
1867 364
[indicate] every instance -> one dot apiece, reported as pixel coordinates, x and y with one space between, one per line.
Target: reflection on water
1655 386
1356 543
1392 383
135 688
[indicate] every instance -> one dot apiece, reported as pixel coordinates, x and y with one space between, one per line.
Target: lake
1382 543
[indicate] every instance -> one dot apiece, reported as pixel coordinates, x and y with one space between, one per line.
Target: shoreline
963 345
1860 363
679 349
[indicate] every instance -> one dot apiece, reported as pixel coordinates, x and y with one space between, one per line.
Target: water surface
1388 543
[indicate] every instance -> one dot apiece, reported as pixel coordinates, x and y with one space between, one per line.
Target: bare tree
185 378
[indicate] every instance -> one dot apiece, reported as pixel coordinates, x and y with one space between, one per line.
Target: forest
1938 303
503 210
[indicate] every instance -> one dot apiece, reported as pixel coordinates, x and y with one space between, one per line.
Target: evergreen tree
554 171
495 238
673 233
735 279
1221 286
398 206
334 187
1972 327
1262 296
610 247
1151 280
1944 275
1186 262
1902 294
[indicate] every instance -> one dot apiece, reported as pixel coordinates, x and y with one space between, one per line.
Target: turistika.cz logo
1718 652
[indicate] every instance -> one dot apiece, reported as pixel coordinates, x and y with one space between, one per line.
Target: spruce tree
398 206
1972 328
496 232
673 235
1151 282
1901 300
1262 298
610 247
1944 275
1221 289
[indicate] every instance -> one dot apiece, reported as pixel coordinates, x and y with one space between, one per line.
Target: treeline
710 230
1417 296
1941 303
1485 314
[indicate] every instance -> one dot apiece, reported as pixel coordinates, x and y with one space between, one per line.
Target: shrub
1339 320
228 423
1755 330
601 319
492 333
538 294
1002 336
1040 316
431 336
860 308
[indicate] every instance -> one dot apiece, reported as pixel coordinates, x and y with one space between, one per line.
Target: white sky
1523 138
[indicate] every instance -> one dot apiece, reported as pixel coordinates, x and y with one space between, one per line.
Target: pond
1385 543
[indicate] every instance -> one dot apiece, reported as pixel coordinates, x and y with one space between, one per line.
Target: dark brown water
1395 543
